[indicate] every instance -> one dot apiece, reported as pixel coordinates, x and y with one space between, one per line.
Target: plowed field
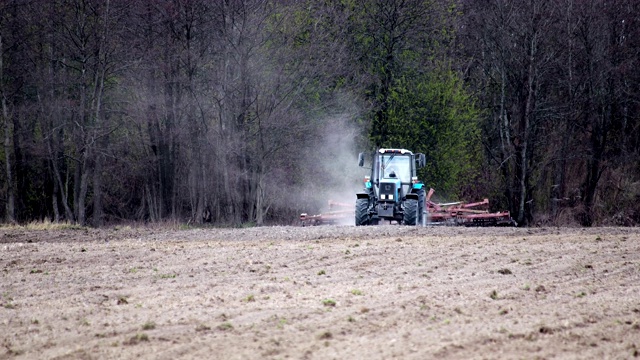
323 292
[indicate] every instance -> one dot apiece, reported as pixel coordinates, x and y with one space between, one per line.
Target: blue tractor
392 192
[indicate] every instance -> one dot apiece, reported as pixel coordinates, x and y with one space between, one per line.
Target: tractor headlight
390 197
382 196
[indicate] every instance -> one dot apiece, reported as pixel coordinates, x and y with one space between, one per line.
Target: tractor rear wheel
410 216
362 212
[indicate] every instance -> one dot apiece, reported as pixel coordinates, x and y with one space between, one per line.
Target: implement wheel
362 212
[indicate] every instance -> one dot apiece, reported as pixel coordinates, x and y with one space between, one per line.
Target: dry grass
45 224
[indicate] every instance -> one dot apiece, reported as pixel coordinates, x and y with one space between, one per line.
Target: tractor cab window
398 165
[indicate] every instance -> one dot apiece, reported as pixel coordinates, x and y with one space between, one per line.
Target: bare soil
323 292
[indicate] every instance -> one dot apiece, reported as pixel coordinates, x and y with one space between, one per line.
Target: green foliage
416 102
433 114
329 302
225 326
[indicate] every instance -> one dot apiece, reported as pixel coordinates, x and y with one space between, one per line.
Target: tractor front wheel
362 212
410 216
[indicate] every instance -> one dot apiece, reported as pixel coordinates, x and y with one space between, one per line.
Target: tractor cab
396 170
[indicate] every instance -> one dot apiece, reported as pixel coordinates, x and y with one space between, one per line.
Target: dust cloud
331 171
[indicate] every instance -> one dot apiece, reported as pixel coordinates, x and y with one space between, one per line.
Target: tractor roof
397 151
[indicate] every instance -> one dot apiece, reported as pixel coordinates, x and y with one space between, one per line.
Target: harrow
460 213
339 213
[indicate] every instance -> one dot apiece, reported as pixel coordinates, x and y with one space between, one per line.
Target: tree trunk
505 138
54 202
598 136
153 203
97 193
526 133
83 189
102 131
53 158
8 127
559 187
262 207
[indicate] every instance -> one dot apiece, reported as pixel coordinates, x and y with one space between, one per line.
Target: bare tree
602 37
516 56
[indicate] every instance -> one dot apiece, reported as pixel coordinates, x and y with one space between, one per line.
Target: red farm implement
339 213
467 214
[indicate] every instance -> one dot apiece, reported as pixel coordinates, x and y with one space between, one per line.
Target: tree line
215 111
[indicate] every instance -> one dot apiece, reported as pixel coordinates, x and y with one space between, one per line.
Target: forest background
253 111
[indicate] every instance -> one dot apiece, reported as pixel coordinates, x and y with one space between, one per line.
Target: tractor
392 192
